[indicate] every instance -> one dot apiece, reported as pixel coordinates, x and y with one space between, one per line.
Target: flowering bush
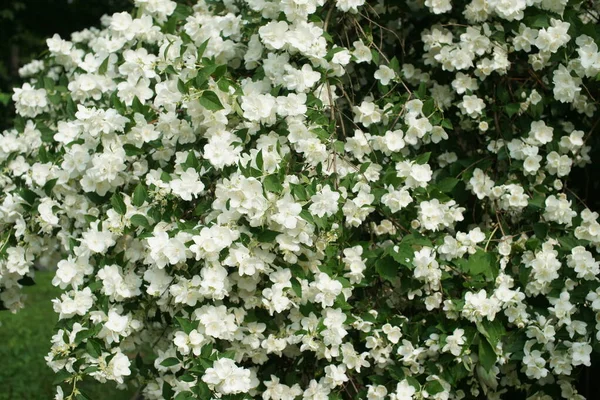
309 199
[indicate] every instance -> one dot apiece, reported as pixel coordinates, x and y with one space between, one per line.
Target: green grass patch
25 341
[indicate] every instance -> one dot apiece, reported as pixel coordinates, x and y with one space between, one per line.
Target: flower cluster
310 199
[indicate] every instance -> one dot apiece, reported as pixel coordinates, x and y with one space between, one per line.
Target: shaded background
25 337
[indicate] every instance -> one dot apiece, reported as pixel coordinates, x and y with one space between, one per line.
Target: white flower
259 107
367 113
362 52
274 34
471 106
393 333
30 102
396 200
540 132
558 209
98 241
328 289
583 262
404 391
455 342
335 375
439 6
349 5
118 367
580 353
566 87
216 321
227 378
394 140
385 75
324 202
188 185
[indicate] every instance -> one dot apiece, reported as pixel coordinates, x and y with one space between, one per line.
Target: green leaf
267 236
191 161
413 382
447 184
81 396
387 268
206 351
139 195
339 146
181 86
433 387
423 158
48 84
114 99
395 65
186 325
43 154
259 160
93 348
493 330
84 335
202 391
568 242
421 91
428 107
118 204
28 195
537 201
364 167
169 362
210 101
446 123
49 186
61 377
220 71
140 220
55 99
167 391
487 355
404 255
131 150
375 55
297 287
184 396
271 183
203 75
416 239
187 378
512 108
299 192
479 263
540 20
223 85
103 67
19 123
202 49
541 230
47 133
91 369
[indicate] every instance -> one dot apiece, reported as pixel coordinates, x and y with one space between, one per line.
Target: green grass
25 340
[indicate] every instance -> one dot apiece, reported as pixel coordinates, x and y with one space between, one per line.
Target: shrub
310 199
